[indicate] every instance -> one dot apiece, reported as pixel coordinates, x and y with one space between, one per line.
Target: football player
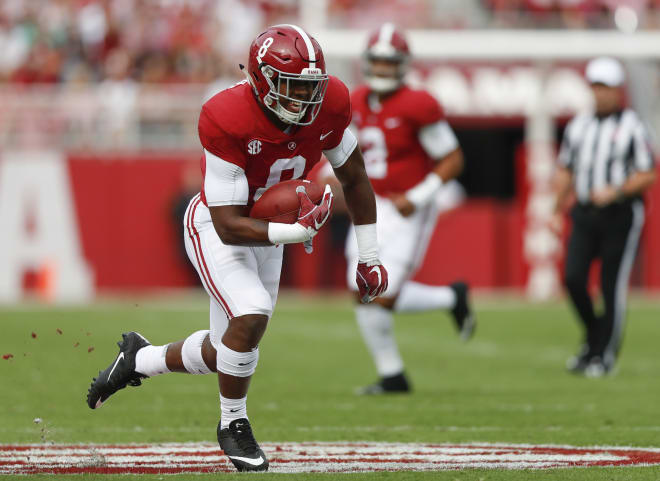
269 128
411 156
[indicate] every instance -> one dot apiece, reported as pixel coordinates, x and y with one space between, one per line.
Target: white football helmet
388 44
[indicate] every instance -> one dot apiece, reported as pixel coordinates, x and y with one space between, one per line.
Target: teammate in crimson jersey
267 129
411 156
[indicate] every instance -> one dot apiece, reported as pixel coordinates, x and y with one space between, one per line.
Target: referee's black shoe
588 364
578 363
462 313
598 367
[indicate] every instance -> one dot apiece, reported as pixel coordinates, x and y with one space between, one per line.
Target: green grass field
506 385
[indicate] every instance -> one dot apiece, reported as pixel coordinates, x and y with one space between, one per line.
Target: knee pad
239 364
191 353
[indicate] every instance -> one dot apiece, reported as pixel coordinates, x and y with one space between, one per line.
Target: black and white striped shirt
602 151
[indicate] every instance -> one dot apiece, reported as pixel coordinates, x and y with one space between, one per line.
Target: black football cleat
118 374
397 384
463 317
238 443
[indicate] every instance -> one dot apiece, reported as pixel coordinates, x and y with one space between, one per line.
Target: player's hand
312 216
402 204
371 279
605 196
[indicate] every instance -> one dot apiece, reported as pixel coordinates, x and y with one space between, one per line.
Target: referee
606 163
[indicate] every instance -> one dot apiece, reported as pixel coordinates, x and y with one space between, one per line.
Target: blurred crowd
151 41
199 41
497 13
573 13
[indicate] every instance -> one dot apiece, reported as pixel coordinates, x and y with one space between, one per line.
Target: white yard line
314 457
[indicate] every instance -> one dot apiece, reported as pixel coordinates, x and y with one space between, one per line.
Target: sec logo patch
254 147
292 146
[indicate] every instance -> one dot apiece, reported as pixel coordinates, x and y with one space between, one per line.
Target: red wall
124 206
131 239
479 242
649 256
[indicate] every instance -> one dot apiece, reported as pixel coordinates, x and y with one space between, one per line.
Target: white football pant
240 280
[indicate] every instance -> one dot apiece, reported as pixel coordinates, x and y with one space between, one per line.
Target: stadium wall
126 218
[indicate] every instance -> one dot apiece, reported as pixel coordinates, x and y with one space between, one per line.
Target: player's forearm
244 232
450 166
235 229
358 194
637 183
360 202
447 168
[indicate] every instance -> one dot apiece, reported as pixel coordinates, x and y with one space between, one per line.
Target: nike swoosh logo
253 462
377 271
245 363
323 136
327 214
119 358
234 410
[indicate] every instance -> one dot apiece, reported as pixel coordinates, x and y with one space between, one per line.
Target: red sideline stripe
201 255
189 223
203 268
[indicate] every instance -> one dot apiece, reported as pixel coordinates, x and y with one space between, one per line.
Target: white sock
376 324
421 297
150 360
232 409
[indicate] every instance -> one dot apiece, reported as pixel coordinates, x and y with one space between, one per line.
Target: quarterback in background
269 128
411 156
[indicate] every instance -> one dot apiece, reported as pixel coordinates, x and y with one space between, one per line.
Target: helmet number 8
264 48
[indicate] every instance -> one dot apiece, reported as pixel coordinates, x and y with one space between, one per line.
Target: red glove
312 216
371 279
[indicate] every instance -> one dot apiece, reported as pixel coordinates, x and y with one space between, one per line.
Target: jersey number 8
297 164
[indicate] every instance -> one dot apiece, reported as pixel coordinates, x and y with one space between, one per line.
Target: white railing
130 116
102 117
506 44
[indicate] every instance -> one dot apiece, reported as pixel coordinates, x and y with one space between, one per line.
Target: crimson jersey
388 134
233 126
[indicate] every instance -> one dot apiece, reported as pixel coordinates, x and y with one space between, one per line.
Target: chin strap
284 114
249 79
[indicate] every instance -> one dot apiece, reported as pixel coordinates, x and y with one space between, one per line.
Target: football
280 202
